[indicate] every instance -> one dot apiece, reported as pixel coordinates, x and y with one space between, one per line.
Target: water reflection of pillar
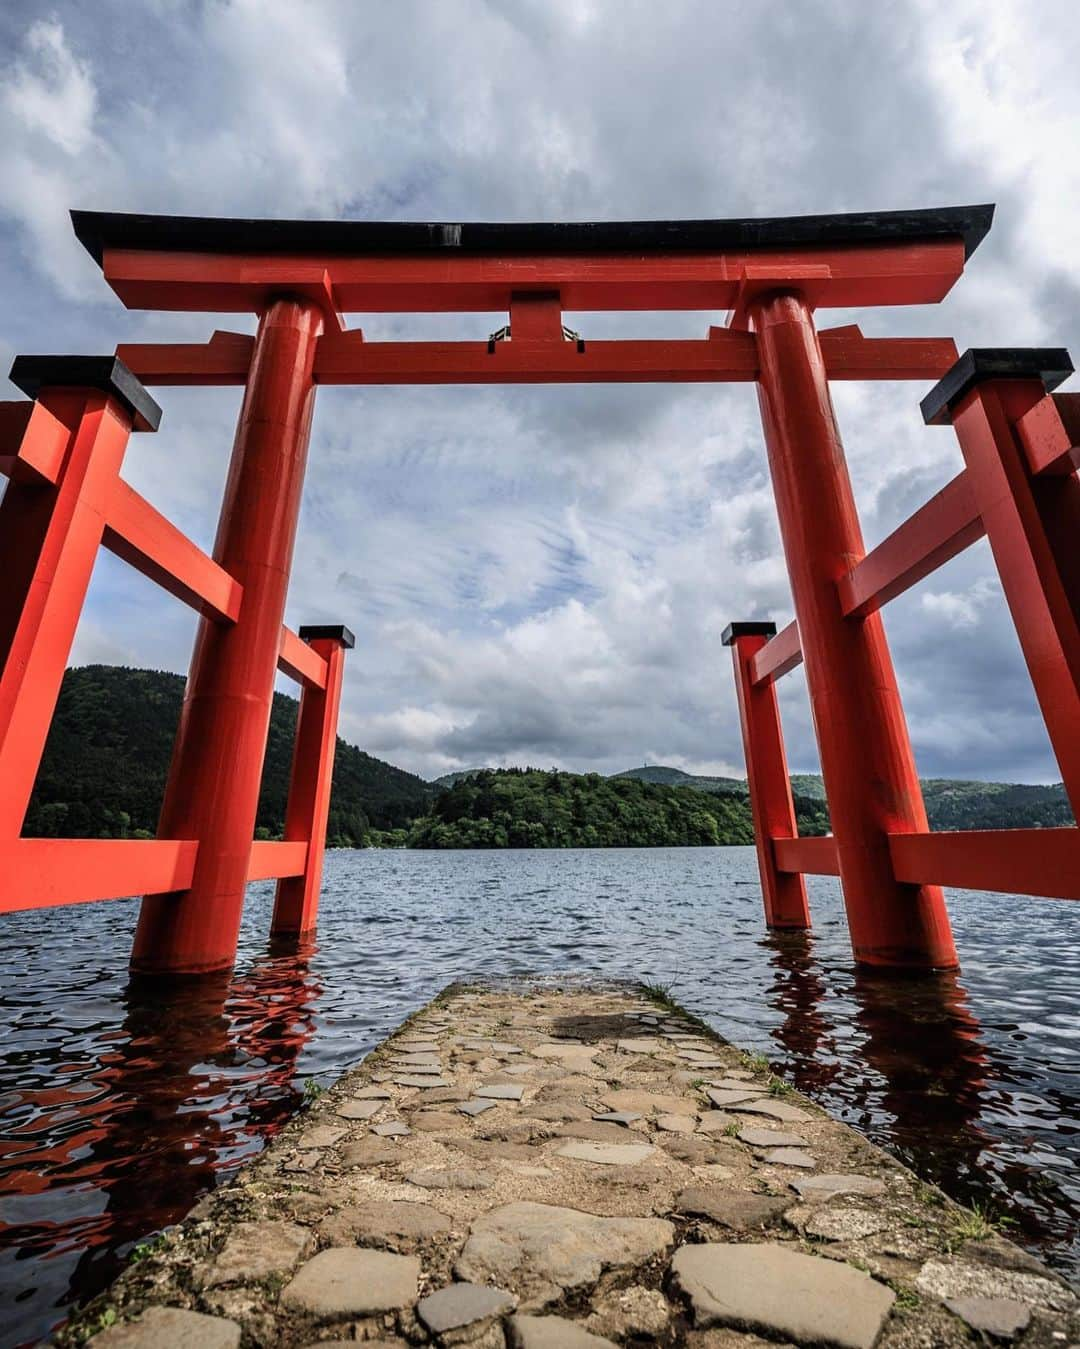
798 991
202 1073
924 1042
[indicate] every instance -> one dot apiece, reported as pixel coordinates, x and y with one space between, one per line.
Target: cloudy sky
542 575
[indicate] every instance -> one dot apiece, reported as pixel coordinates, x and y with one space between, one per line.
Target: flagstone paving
574 1166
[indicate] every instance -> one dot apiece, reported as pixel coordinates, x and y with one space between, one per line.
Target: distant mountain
107 756
675 777
452 779
950 803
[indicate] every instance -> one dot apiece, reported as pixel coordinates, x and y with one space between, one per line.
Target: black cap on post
1052 365
31 374
334 632
754 628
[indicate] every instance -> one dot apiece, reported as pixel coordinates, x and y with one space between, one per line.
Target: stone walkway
551 1168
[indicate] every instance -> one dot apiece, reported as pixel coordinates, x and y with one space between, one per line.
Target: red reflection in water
200 1073
920 1081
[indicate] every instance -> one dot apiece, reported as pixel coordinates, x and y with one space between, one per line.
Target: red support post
213 788
866 757
771 804
296 905
1032 523
50 531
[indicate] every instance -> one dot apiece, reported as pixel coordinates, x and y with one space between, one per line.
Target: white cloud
544 573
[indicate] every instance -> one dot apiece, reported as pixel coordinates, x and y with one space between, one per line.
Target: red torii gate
63 453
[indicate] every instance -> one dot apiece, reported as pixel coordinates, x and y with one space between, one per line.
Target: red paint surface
213 788
866 757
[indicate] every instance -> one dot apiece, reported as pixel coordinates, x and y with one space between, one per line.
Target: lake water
119 1107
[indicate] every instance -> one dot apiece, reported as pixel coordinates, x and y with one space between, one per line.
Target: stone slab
737 1209
999 1317
475 1107
551 1332
824 1187
606 1154
449 1178
171 1326
648 1102
771 1138
500 1091
361 1109
344 1281
382 1220
463 1304
777 1291
790 1114
676 1124
255 1251
790 1157
541 1250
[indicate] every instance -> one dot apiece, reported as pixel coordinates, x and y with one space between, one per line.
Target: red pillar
771 804
296 905
1032 523
213 788
51 522
866 757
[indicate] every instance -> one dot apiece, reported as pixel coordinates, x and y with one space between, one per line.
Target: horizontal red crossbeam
724 356
32 442
848 276
945 526
1043 862
270 860
143 537
41 873
300 662
778 656
1050 434
810 856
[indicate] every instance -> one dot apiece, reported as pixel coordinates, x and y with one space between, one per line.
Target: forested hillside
107 756
533 808
108 753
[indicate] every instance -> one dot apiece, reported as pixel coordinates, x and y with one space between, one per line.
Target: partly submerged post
296 905
771 804
213 789
866 758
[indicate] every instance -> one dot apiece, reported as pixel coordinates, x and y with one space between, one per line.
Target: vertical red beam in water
866 757
213 787
771 804
50 533
296 905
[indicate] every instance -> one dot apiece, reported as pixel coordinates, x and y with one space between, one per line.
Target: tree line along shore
104 768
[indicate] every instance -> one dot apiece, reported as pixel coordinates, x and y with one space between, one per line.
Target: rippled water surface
121 1107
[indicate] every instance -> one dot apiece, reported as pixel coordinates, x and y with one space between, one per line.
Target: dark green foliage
995 805
530 808
103 772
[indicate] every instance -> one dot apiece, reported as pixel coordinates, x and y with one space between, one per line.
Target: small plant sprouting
313 1089
778 1087
145 1249
906 1301
757 1063
732 1129
102 1321
978 1223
